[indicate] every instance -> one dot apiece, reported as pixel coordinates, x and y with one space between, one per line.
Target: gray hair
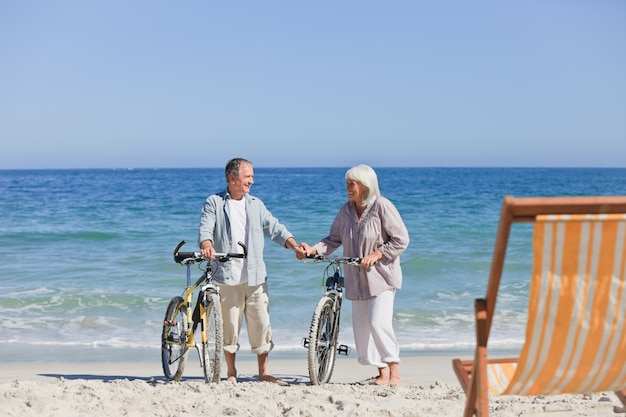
233 166
366 176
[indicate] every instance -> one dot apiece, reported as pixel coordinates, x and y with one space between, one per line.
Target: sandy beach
138 389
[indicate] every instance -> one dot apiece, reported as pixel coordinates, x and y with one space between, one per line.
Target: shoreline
138 389
14 352
414 369
107 363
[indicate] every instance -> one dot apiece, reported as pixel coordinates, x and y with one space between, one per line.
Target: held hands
304 250
300 252
297 248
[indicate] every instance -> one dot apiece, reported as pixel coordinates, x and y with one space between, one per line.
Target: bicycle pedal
305 342
343 350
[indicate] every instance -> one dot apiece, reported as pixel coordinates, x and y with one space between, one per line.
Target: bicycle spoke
322 342
174 340
213 341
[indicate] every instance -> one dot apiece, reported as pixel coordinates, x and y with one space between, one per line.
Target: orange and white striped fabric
576 331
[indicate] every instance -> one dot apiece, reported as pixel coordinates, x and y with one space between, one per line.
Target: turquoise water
86 263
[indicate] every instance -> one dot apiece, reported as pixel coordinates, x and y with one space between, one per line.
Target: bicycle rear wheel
323 336
213 344
174 340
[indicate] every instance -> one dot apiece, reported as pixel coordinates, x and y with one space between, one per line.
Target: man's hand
207 250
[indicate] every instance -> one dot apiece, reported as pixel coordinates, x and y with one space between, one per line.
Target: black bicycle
322 342
181 320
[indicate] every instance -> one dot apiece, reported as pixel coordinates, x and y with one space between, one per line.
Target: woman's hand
369 260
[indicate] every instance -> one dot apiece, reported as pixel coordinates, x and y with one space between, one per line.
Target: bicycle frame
182 318
334 290
192 322
322 342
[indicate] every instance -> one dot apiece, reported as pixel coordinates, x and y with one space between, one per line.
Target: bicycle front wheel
213 342
323 336
174 340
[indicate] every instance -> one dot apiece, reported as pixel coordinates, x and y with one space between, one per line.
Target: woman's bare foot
395 382
383 376
394 375
231 378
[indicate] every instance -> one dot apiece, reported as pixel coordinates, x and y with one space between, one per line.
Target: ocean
86 266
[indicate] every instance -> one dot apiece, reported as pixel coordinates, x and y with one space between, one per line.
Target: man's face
240 186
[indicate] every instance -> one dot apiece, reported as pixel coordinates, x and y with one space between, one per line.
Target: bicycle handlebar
190 257
335 259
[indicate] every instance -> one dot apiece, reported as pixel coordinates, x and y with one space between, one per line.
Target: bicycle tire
174 340
213 346
323 335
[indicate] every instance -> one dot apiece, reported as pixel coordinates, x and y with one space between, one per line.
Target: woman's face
356 191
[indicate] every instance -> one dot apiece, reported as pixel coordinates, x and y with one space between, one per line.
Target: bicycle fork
341 349
202 304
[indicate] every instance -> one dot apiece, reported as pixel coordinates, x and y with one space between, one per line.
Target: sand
138 389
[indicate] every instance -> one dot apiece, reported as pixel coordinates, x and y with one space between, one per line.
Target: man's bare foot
273 380
231 379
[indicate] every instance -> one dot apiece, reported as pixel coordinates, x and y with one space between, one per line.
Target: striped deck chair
576 330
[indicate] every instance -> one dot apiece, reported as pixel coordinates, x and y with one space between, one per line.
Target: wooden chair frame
472 374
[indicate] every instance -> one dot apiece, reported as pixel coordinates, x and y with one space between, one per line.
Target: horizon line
317 167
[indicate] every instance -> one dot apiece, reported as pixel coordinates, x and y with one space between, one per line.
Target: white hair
366 176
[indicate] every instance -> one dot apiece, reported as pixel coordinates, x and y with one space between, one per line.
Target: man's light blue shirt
215 226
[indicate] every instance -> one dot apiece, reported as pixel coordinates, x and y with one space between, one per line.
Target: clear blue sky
137 83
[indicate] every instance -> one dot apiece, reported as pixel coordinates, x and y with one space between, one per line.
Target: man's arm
291 243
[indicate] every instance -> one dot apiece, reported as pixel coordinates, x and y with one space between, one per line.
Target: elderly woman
369 226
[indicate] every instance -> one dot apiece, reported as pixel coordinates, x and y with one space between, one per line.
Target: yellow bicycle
182 321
